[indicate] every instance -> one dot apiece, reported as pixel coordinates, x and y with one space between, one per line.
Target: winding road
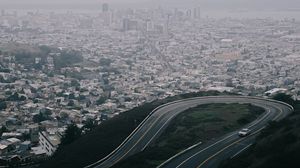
207 155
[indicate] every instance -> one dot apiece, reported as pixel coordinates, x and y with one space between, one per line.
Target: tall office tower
108 18
176 13
189 13
130 24
166 25
105 7
126 23
2 12
197 13
149 26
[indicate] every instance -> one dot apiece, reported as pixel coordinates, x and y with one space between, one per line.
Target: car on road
244 132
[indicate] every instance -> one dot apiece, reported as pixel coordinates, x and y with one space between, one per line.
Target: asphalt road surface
207 155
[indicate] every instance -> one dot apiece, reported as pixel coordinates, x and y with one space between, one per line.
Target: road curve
197 156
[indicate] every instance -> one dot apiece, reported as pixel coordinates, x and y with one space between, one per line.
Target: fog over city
212 4
149 83
214 8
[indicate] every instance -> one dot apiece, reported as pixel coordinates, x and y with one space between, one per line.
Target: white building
49 142
275 91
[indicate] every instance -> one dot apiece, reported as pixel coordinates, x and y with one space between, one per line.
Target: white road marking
241 151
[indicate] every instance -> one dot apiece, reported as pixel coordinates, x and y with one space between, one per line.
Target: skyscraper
108 18
129 24
197 13
105 7
149 25
126 24
2 12
189 13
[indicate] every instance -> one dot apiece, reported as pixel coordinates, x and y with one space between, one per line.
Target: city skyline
205 4
203 77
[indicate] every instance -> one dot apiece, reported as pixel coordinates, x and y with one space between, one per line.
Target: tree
48 112
67 58
284 98
3 129
71 103
81 97
3 105
16 97
35 101
64 115
8 93
71 134
105 62
72 96
45 49
39 118
90 124
101 100
22 98
5 70
75 83
44 114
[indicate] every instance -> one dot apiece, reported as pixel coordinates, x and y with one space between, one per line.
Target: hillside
199 124
278 146
106 137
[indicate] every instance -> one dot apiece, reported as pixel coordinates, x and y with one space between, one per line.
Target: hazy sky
268 4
